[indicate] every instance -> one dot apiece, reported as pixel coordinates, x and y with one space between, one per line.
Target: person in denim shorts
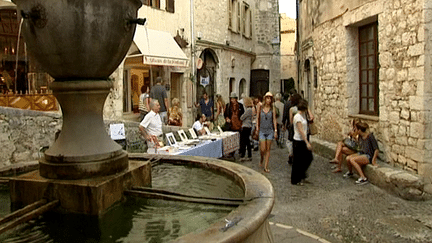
368 154
267 127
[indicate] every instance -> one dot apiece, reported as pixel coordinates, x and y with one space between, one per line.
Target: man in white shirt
151 125
199 125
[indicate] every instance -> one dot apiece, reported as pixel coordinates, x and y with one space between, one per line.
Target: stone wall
330 99
403 126
113 106
402 80
23 133
288 41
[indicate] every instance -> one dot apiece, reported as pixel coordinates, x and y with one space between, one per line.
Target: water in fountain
138 219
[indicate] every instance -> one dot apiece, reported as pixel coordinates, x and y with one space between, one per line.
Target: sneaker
249 159
348 175
361 181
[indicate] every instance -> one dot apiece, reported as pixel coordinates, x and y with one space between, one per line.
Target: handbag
255 135
290 132
289 146
313 129
351 144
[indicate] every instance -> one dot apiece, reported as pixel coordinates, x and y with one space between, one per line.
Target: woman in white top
302 149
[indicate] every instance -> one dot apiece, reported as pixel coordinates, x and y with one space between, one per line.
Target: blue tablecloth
207 148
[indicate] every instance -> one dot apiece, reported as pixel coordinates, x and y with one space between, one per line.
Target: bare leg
348 159
267 154
262 151
344 150
358 161
338 154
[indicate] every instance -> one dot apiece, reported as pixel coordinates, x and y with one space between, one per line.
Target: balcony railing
42 101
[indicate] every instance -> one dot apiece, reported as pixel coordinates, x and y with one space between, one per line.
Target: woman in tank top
267 128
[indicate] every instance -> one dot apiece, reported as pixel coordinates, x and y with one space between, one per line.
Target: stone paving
329 208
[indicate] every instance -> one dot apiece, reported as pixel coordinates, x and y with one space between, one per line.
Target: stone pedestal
83 148
86 196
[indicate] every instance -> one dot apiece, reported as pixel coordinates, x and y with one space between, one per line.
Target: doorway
175 91
242 87
259 82
206 75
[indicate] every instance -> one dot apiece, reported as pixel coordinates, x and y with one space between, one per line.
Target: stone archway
243 87
206 75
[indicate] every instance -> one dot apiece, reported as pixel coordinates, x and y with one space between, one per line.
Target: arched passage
206 75
242 87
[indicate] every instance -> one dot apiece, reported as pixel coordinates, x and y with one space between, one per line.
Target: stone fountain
80 43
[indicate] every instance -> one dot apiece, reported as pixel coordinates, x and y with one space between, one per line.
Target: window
368 54
170 6
239 17
244 18
246 21
250 24
230 14
152 3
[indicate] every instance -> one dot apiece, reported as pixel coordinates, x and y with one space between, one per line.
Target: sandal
334 161
266 170
337 170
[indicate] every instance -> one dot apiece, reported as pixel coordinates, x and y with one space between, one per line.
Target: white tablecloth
207 148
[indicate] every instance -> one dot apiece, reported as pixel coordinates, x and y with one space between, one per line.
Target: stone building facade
236 42
288 54
371 60
233 38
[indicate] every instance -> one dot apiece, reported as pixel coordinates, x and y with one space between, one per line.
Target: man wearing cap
233 112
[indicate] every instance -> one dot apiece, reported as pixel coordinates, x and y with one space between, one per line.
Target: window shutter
250 24
243 27
170 6
239 17
155 3
230 12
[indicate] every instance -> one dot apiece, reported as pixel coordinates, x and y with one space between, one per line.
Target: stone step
399 182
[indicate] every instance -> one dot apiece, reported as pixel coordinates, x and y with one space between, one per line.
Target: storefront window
18 72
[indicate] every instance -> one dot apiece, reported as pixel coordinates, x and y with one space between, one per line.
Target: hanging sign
204 81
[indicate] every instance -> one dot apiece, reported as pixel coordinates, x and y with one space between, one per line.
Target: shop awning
157 48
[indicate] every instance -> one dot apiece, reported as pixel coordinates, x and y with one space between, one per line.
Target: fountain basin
250 222
252 225
77 39
87 196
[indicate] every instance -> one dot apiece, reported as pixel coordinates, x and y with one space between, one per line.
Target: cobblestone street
331 208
